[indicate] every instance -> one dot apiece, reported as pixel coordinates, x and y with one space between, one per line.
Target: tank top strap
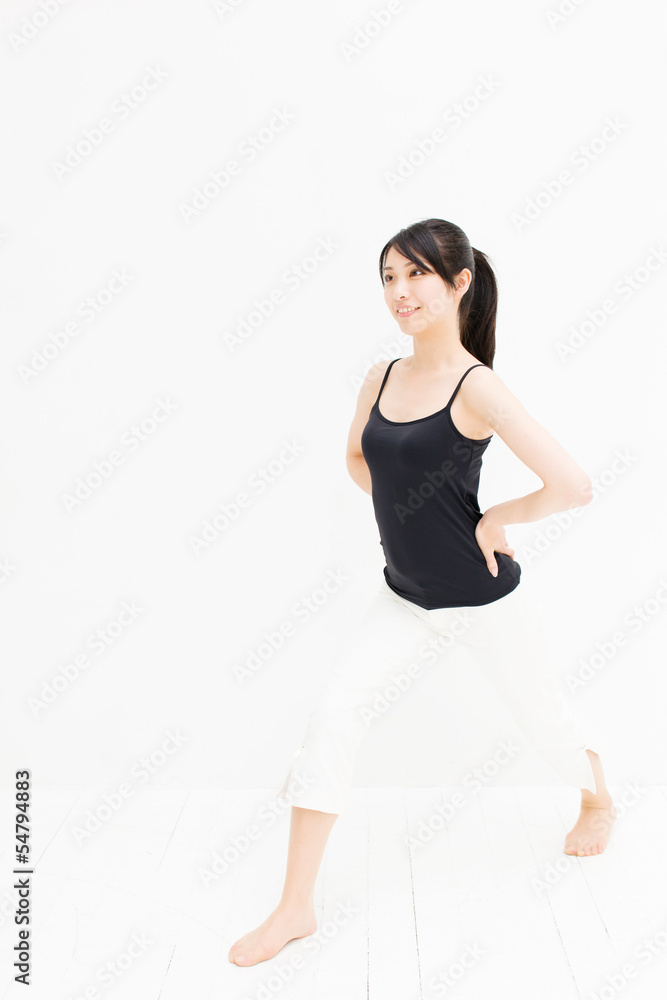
386 376
478 365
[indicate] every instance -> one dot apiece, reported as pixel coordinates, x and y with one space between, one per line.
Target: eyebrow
410 263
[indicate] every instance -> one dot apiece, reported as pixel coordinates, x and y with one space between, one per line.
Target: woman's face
427 300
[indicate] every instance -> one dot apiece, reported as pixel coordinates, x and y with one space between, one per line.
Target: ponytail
477 316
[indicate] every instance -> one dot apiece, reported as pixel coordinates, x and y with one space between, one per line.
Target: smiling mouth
408 312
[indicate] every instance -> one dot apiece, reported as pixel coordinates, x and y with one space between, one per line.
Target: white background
323 177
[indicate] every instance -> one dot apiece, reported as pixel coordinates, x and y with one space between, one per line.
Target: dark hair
446 248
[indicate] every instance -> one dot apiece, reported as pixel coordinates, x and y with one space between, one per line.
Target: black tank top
425 477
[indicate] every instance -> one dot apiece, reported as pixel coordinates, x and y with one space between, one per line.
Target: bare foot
590 833
265 941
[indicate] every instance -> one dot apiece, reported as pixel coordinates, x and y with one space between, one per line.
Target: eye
415 270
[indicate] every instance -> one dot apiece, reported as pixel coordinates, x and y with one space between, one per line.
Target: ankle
299 903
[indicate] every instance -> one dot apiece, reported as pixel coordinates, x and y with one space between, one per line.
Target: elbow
581 493
568 496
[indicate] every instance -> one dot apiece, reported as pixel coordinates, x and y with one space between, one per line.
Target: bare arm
565 483
356 463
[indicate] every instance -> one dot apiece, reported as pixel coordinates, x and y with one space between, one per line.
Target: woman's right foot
265 941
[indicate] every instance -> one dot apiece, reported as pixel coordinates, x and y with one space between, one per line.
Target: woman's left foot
590 833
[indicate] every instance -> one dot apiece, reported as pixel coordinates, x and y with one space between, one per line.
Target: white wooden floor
468 916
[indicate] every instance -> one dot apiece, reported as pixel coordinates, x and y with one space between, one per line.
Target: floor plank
534 959
393 957
439 923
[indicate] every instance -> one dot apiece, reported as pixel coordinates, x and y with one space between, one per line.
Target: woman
449 569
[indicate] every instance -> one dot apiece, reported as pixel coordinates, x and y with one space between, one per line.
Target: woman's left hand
491 538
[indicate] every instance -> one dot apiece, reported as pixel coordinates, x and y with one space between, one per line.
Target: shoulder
379 368
481 378
487 397
373 377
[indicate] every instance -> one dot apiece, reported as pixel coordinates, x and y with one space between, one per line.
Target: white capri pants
506 638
